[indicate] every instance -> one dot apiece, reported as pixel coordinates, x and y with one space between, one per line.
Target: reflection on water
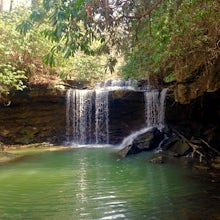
93 184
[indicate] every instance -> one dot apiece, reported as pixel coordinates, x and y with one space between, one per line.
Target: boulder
180 148
146 141
175 146
172 139
157 158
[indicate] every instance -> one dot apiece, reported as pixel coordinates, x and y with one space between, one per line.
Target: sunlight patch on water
74 145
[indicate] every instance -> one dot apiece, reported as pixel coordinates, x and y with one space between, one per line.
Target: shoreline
10 153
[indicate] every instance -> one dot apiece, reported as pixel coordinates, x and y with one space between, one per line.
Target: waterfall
154 114
155 108
117 84
79 116
101 117
87 111
68 114
87 116
162 106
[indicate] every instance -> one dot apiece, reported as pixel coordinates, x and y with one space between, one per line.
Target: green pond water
91 183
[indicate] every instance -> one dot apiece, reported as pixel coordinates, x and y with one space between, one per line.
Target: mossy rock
25 136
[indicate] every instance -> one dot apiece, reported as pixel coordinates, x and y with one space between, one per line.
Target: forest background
167 42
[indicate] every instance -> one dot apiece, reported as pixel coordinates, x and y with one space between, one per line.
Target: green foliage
178 38
11 75
169 78
66 29
87 67
63 24
174 38
23 53
75 25
84 67
10 78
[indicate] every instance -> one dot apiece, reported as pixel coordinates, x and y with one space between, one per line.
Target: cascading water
154 114
117 84
102 117
155 108
79 116
87 111
87 116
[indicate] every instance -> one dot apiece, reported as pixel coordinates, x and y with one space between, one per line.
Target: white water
129 139
117 84
79 116
102 117
87 113
155 108
87 117
154 114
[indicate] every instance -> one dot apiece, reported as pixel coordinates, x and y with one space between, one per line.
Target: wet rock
78 84
175 146
169 142
180 148
123 152
126 113
146 141
216 163
158 158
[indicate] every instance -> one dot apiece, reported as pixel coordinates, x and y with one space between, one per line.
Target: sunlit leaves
49 59
20 56
11 78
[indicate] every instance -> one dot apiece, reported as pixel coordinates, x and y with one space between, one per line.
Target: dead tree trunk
11 5
1 5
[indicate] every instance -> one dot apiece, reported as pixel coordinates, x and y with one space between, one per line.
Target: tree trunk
11 5
1 5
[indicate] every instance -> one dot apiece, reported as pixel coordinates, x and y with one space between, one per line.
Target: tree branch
195 148
146 13
213 149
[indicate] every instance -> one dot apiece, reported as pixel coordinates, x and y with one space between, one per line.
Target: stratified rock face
39 115
191 86
126 113
36 115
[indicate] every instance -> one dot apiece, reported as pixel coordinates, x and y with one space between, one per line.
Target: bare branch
146 13
195 148
204 142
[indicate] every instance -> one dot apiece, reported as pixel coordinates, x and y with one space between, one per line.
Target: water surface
91 183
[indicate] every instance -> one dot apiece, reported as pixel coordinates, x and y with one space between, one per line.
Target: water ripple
90 184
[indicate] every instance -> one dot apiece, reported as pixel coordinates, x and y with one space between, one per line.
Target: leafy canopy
177 42
21 57
74 25
159 39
